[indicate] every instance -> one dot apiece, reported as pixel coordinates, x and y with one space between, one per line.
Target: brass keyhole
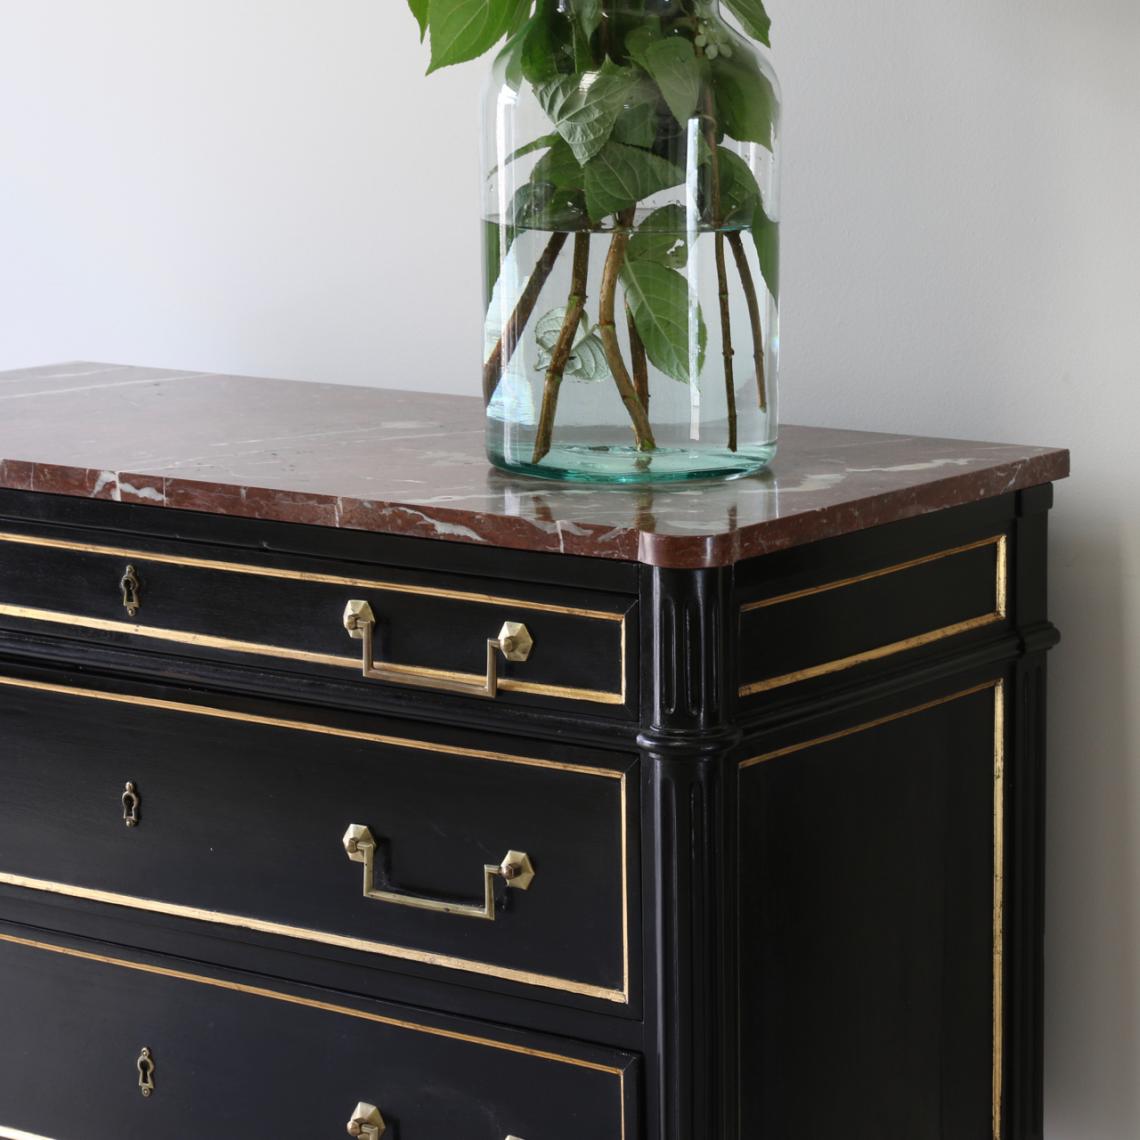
131 591
145 1065
132 801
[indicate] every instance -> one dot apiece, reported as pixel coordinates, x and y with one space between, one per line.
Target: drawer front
228 1058
334 836
835 623
289 614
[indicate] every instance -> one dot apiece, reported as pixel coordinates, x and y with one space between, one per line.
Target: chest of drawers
350 787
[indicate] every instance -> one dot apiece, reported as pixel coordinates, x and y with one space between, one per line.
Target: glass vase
631 240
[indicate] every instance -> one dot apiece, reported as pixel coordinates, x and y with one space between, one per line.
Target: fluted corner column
690 843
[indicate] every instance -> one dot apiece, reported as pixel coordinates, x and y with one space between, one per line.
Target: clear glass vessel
631 245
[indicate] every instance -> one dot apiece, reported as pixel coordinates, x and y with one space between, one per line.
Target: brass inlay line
999 906
308 576
868 655
804 745
342 941
999 614
840 583
998 689
260 649
309 1003
306 726
262 926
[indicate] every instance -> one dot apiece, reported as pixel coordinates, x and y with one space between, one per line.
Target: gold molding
219 918
255 648
260 649
998 689
308 576
328 1007
999 909
998 614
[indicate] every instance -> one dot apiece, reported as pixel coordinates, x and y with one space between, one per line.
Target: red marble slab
408 463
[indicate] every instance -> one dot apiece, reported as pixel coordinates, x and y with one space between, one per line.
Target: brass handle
145 1066
516 870
514 643
131 591
132 801
367 1122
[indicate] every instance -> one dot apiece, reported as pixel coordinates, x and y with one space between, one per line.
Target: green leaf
766 235
541 206
637 124
745 98
739 190
753 18
420 11
465 29
620 176
639 40
560 168
662 237
659 300
584 107
674 66
589 15
528 148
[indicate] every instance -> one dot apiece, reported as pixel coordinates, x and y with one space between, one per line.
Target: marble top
409 463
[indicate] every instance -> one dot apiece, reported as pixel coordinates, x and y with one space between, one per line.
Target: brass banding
309 1003
309 576
486 969
260 649
998 689
880 652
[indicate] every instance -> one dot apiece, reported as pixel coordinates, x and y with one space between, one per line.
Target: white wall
270 186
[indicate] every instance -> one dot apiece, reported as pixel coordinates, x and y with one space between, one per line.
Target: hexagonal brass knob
358 615
515 641
517 870
367 1122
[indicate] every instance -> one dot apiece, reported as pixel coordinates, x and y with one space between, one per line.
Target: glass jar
631 245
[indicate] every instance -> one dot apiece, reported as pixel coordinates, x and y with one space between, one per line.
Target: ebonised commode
747 842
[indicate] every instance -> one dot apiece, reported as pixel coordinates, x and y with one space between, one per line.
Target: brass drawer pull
132 802
131 590
514 643
516 870
367 1122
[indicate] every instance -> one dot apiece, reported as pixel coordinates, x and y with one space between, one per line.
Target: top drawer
521 643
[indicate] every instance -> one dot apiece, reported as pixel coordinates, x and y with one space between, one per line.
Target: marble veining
409 463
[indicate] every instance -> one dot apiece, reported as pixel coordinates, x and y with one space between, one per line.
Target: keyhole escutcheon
145 1065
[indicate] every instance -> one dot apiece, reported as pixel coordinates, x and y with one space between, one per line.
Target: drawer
230 1058
803 626
420 629
345 836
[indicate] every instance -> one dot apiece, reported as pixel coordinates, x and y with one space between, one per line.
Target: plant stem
501 354
563 347
640 360
709 114
607 330
749 284
726 341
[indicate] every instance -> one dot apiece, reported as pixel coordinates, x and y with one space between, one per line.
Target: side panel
871 926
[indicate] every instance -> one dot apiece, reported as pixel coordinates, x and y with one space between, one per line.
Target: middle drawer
465 859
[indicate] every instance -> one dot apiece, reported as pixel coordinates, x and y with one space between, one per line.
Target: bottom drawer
230 1059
